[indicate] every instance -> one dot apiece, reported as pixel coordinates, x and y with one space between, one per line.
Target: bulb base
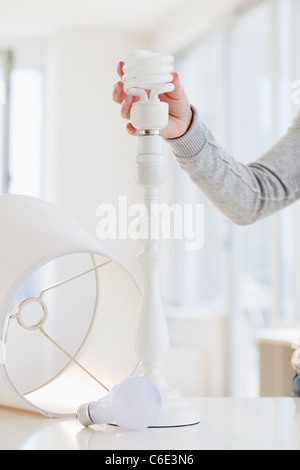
83 415
149 115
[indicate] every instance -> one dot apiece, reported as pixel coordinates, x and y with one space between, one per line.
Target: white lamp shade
92 317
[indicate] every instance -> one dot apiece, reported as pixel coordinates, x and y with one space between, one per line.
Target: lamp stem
152 336
152 340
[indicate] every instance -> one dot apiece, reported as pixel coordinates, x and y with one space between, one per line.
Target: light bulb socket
83 415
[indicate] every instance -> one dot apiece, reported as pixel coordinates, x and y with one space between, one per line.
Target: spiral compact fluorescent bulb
147 75
146 70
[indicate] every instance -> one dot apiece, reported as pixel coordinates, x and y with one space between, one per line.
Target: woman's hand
180 113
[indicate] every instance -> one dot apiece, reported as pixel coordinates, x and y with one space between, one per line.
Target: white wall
28 52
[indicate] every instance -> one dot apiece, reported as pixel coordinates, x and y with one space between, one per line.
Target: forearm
244 193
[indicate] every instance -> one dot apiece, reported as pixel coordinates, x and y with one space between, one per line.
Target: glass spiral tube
146 70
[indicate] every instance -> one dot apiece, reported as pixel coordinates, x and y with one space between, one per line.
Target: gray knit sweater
244 193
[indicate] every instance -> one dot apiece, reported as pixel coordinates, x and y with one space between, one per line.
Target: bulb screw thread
149 132
83 415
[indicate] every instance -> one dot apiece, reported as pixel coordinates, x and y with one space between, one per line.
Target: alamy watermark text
164 222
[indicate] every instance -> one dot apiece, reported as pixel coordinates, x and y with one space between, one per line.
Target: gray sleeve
243 193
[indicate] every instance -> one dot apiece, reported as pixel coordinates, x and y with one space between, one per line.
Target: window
26 131
286 66
244 95
250 133
21 127
198 281
5 64
296 76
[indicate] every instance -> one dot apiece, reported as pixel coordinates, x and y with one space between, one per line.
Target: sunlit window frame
7 60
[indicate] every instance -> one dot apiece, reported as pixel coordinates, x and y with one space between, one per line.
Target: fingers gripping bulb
147 75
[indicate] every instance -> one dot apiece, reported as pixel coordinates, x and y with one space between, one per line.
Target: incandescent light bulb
133 404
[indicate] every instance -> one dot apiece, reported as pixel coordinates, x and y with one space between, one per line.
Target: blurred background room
233 307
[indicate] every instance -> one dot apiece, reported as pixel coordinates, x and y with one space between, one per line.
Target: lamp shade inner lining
32 360
92 318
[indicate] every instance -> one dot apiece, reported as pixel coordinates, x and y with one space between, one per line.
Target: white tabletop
226 423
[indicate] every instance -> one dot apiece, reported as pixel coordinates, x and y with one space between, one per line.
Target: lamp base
176 412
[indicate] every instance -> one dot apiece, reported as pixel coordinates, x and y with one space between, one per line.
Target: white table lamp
147 75
72 321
